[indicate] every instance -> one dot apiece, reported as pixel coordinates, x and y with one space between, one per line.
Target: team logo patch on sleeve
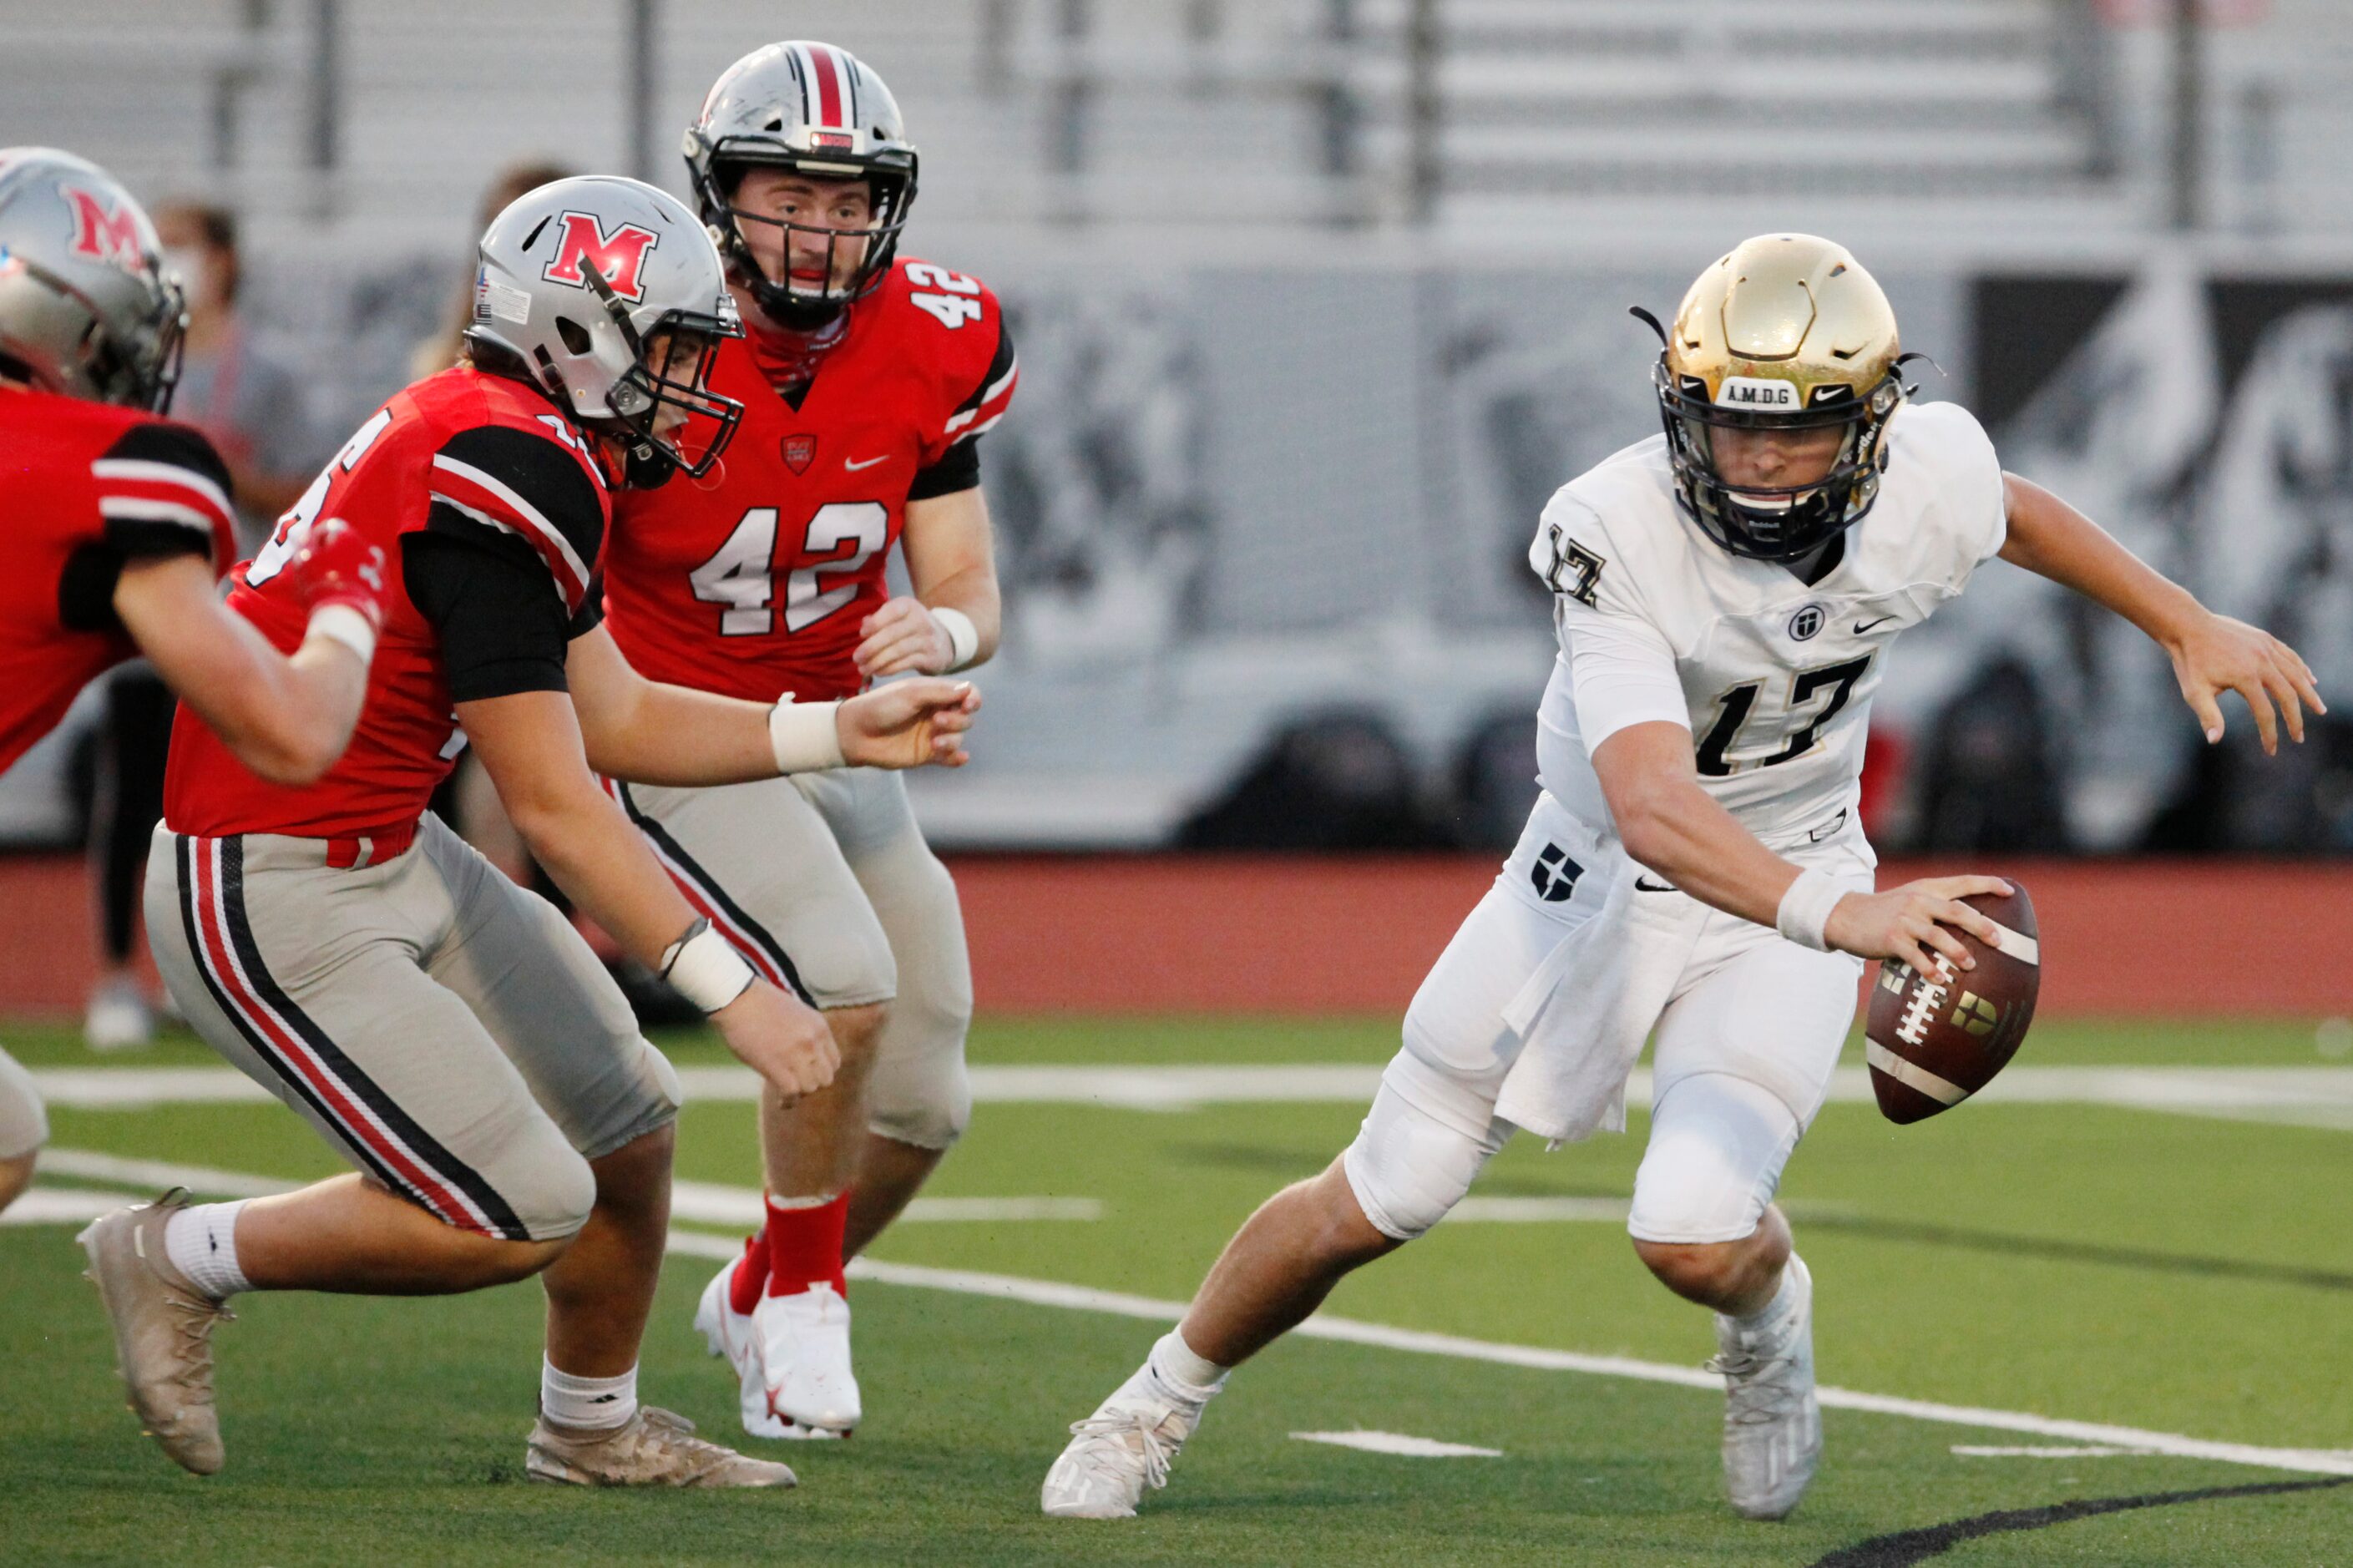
619 257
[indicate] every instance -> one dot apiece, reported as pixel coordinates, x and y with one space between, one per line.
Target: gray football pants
448 1032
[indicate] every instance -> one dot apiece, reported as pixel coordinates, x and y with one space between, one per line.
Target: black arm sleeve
503 625
957 469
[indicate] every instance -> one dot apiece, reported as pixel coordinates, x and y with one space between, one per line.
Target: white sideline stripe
156 1174
2095 1451
1349 1331
1080 1297
710 1203
705 1202
2303 1096
1400 1442
61 1206
1538 1211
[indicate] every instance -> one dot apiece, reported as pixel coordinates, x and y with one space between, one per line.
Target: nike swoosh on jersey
1863 626
1644 885
869 463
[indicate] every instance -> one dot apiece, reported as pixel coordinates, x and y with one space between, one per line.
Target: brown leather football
1933 1044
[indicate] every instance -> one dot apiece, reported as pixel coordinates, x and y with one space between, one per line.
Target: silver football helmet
85 307
818 111
608 296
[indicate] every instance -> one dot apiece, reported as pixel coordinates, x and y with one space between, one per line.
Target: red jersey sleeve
163 491
978 369
528 487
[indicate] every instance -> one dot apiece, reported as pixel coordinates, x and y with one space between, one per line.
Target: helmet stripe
802 70
829 93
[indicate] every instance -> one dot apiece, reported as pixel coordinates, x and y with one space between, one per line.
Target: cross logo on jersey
99 233
799 451
1555 874
618 258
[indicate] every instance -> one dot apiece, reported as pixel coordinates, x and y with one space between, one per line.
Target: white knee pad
23 1125
1408 1168
1717 1146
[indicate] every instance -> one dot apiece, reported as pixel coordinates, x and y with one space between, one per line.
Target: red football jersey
459 450
85 487
753 581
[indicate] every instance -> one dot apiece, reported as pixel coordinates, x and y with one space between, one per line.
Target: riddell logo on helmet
618 258
1756 392
832 141
109 235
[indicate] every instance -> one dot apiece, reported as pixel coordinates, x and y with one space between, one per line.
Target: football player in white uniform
1724 595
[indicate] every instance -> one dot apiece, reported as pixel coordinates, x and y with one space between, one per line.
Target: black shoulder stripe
539 470
182 446
449 522
1001 362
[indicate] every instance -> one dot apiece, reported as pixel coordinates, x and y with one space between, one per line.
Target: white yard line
1979 1451
1401 1444
2307 1096
1349 1331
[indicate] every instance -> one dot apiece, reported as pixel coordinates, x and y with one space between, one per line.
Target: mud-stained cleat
1772 1420
1125 1448
653 1447
162 1331
806 1385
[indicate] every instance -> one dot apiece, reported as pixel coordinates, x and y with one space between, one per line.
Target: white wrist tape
805 736
1806 909
964 637
341 622
702 967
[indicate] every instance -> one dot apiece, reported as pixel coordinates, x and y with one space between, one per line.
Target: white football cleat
1772 1420
1124 1447
734 1337
807 1388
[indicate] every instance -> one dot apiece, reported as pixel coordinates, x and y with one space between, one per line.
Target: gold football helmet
1785 332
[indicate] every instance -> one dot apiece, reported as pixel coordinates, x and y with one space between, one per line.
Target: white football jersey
1777 675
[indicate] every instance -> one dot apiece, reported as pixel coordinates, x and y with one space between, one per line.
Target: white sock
201 1241
1765 1316
597 1404
1174 1362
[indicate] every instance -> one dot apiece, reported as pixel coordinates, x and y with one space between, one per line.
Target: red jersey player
866 382
118 519
445 1030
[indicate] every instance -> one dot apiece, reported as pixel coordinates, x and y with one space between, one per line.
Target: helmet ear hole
574 335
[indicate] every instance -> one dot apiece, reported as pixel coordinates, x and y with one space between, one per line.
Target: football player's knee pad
24 1124
1717 1146
551 1195
925 1101
1408 1167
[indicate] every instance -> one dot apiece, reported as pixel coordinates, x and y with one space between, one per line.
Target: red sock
751 1276
804 1246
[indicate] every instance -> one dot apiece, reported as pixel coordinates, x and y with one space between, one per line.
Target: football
1931 1044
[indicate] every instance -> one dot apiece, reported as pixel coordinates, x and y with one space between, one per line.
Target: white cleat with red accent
808 1387
736 1337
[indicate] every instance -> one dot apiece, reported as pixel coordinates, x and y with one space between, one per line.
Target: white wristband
805 736
341 623
1806 909
702 967
964 637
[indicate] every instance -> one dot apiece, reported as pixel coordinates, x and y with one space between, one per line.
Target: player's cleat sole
1115 1454
808 1387
163 1332
1772 1417
652 1448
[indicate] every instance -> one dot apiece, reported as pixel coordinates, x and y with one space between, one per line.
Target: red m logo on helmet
109 235
618 258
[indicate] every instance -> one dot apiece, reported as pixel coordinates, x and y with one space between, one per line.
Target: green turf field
2185 1274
